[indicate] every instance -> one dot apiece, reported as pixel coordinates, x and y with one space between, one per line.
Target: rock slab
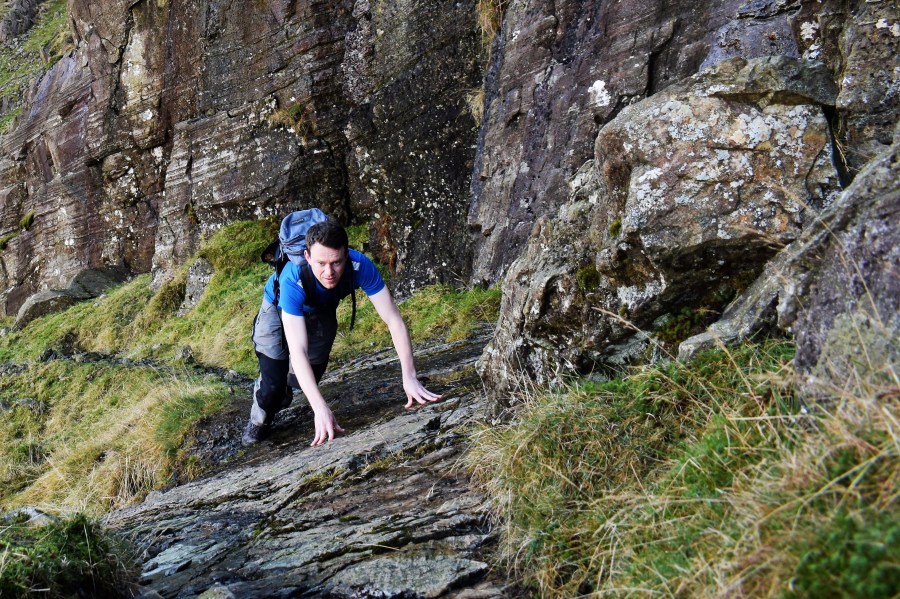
384 511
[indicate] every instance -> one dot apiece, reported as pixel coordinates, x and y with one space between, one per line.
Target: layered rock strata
169 120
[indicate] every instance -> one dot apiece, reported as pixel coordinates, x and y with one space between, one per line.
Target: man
307 326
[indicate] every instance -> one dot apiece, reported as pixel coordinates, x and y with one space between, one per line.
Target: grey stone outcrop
199 275
689 194
84 285
837 288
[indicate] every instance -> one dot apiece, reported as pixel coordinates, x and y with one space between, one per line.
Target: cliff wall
170 119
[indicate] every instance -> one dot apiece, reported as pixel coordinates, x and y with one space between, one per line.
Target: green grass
21 63
697 481
106 434
73 557
436 312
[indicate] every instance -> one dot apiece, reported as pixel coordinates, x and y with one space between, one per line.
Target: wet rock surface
383 511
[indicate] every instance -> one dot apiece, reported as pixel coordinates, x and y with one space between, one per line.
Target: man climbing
297 323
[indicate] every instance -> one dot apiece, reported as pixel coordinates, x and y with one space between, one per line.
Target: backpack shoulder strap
308 280
276 284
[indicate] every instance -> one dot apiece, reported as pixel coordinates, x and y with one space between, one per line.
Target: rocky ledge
384 511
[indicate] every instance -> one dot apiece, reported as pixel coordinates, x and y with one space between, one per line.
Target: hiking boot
254 433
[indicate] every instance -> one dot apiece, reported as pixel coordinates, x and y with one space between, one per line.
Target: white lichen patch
809 30
885 24
598 93
813 52
648 195
632 296
683 123
749 131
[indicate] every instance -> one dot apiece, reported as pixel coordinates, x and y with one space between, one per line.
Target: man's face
327 264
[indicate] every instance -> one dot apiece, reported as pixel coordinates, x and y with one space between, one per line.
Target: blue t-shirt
293 297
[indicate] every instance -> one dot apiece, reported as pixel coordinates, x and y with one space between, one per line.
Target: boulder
691 191
84 285
837 288
45 302
198 277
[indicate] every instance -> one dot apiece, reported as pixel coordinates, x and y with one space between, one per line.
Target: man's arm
298 344
387 310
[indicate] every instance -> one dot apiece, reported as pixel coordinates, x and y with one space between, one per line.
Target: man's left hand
415 392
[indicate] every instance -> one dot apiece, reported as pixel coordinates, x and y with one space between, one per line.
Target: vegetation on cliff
23 58
699 480
71 557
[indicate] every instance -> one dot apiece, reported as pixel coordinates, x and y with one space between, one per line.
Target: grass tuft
109 433
490 17
72 557
433 313
697 480
26 221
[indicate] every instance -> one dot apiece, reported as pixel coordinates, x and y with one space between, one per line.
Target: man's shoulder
358 256
291 273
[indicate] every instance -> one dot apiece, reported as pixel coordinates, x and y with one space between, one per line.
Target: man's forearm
307 379
403 345
295 333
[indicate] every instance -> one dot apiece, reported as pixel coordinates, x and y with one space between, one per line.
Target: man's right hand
326 426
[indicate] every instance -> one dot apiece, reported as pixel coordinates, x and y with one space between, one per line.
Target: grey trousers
272 389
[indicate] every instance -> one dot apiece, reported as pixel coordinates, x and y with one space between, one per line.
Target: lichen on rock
693 190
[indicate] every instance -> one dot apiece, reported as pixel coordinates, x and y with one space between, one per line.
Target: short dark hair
329 233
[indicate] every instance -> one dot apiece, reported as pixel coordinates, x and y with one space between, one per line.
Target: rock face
169 120
562 70
380 512
689 193
837 288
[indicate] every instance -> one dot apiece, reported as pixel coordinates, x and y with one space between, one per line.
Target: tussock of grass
73 557
239 245
107 434
490 17
698 481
